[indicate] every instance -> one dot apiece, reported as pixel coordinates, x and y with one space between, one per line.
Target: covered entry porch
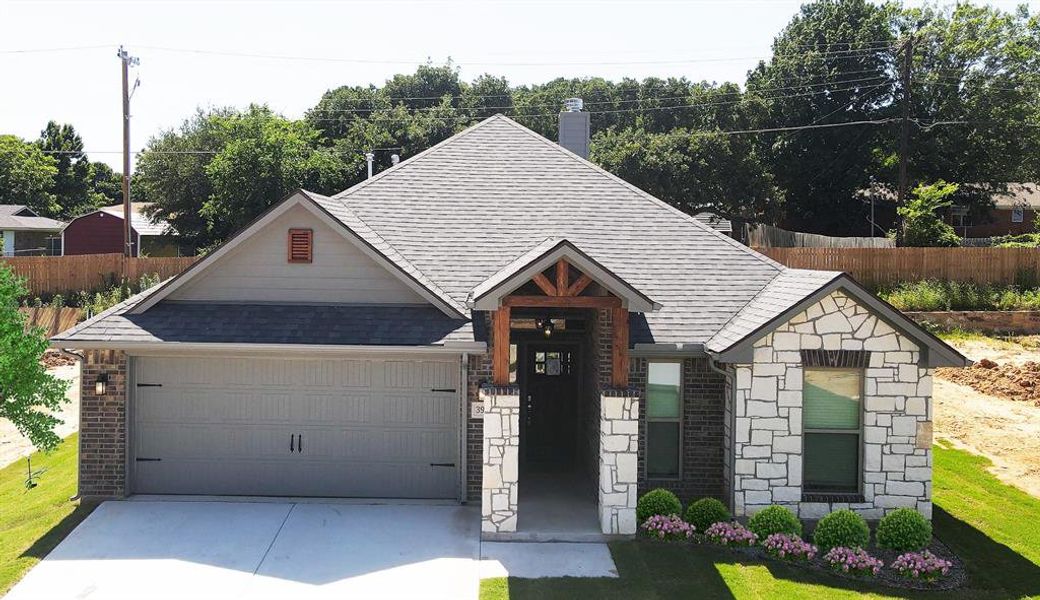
560 423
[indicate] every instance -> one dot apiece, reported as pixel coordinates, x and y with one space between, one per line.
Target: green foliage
705 512
841 528
28 394
774 519
904 530
92 303
657 502
26 175
79 185
935 295
923 223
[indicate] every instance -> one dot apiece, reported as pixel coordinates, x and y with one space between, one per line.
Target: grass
32 522
994 527
936 295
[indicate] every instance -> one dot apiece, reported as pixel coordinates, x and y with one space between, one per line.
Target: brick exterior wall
702 466
478 373
102 437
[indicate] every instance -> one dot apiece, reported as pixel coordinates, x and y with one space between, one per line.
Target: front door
549 415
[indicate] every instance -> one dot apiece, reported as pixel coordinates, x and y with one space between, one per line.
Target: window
832 405
553 363
663 419
1018 214
301 247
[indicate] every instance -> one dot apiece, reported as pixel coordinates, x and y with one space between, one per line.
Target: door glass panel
832 398
662 390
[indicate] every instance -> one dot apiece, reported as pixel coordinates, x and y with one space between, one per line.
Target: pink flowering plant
921 565
667 527
854 561
789 547
730 534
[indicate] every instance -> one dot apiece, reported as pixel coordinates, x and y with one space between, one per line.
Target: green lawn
995 528
33 521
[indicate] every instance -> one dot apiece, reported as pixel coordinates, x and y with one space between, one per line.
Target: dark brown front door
549 412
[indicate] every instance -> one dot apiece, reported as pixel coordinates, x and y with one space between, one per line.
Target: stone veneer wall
501 458
102 432
767 414
702 430
618 461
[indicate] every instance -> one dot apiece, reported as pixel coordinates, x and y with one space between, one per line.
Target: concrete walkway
160 549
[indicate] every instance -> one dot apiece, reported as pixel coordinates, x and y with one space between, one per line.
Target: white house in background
25 233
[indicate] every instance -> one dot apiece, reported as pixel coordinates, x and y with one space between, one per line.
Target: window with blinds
301 245
663 419
831 418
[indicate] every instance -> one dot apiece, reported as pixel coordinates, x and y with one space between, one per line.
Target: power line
64 49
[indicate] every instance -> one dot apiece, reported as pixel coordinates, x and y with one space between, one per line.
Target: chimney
574 127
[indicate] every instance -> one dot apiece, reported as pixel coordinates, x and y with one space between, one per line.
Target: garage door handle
442 464
448 390
292 443
299 444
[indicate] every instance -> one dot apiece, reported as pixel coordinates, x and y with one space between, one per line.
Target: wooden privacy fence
880 266
774 237
68 274
52 319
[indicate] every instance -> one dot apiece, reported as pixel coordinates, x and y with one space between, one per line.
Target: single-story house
26 233
1012 213
101 232
499 321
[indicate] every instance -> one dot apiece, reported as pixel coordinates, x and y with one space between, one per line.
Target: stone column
618 461
501 457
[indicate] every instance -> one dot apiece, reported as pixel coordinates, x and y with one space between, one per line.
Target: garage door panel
370 428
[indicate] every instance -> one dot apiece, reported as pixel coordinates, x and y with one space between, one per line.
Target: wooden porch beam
619 346
500 346
562 276
578 286
545 285
562 301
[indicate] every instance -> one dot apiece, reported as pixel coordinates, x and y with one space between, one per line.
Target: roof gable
364 241
489 293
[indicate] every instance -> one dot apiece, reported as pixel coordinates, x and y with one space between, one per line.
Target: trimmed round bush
706 512
657 502
774 519
904 530
841 529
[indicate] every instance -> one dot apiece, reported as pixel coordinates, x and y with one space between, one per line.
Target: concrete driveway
214 549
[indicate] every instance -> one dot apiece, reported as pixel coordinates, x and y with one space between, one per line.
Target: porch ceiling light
101 384
547 327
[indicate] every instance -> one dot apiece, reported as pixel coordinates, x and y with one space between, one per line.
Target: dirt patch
1008 380
14 446
53 358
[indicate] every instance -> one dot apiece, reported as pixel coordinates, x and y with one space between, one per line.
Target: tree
833 63
922 221
223 168
26 175
28 393
72 188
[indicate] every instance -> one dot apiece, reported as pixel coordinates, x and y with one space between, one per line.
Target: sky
58 57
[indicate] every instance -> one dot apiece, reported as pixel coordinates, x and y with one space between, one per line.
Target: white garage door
377 427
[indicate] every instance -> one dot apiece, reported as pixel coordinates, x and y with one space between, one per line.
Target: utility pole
904 133
126 62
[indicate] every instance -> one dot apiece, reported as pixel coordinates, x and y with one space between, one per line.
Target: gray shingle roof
18 217
715 221
787 289
141 223
13 209
276 324
466 208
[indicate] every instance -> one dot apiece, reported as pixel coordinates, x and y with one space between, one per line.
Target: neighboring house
499 321
1012 213
101 232
25 233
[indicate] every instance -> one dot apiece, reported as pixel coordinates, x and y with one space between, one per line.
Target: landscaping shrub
854 561
789 547
731 534
904 530
841 528
706 512
934 295
667 527
657 502
774 519
923 565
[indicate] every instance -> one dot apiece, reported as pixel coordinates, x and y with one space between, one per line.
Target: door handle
292 443
299 444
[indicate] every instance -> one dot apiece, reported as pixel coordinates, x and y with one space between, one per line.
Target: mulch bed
1014 382
956 578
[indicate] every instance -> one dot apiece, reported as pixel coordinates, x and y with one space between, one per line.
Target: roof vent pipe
369 157
395 158
574 127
